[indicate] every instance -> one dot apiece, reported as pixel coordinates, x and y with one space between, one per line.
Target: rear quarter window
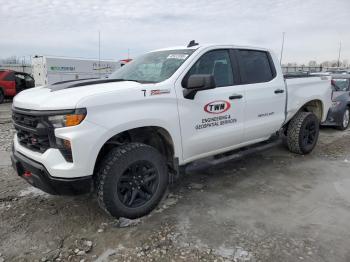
255 66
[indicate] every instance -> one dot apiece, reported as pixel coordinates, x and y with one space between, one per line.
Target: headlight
336 103
71 119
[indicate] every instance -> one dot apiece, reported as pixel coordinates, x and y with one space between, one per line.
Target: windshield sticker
177 56
217 107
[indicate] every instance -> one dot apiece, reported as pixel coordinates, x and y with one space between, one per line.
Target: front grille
32 131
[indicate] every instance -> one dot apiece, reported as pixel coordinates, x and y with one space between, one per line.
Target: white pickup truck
126 137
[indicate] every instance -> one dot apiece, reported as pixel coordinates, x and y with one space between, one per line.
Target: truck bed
304 89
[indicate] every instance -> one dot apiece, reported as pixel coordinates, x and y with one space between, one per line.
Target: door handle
235 96
279 91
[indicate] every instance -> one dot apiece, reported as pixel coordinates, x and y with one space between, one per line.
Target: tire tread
293 132
115 155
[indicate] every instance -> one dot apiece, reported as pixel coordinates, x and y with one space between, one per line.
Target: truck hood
66 95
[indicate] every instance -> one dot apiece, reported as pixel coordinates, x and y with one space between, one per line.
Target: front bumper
37 175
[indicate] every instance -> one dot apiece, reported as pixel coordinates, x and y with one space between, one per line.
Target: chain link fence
17 67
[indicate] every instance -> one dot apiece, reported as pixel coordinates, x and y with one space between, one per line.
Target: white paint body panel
119 106
303 90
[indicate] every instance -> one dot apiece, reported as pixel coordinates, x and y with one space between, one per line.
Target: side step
233 155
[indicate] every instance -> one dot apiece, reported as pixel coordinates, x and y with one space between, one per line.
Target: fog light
65 148
66 144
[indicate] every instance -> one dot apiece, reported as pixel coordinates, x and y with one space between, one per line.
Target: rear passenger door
265 94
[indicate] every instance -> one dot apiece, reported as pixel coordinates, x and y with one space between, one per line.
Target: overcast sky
313 28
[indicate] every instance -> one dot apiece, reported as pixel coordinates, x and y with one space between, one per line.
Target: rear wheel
302 133
2 96
132 180
346 120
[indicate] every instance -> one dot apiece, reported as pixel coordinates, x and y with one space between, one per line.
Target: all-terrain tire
300 139
113 170
345 124
2 96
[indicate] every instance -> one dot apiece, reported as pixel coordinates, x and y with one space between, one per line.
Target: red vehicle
12 82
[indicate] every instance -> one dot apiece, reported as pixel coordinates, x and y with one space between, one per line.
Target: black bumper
335 115
40 178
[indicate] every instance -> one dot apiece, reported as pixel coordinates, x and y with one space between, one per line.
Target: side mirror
197 83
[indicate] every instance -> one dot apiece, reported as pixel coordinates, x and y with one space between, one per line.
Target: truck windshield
153 67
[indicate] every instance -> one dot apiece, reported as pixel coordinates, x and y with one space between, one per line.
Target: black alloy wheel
131 180
310 133
138 184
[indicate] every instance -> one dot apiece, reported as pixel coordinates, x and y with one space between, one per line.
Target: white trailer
50 69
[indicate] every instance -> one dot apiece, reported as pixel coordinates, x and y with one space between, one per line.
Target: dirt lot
268 206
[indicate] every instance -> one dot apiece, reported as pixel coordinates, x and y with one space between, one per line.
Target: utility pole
282 48
99 54
339 54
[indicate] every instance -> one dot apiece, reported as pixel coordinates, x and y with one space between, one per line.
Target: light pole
339 54
99 54
282 48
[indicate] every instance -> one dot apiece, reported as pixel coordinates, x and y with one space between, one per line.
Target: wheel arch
314 106
155 136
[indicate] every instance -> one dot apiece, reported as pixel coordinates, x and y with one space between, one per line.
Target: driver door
213 121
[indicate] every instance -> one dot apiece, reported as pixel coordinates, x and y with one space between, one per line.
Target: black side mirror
197 83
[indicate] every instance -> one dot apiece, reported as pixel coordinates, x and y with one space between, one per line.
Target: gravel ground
6 128
268 206
6 135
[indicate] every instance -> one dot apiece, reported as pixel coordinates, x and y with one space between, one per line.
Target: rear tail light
27 174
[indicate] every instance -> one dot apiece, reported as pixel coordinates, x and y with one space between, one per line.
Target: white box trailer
50 69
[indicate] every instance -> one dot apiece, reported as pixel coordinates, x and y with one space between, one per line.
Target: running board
233 155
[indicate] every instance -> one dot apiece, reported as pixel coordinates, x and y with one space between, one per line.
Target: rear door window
255 66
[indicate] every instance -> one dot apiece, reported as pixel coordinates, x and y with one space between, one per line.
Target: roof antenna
192 43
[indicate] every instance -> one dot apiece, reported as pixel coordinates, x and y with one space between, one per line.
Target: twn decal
217 107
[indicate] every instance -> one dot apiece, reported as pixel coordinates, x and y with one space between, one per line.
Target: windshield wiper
133 80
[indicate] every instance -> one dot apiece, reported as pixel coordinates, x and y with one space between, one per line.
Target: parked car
339 113
126 137
12 82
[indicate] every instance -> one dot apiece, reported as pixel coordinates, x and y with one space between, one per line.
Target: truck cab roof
204 46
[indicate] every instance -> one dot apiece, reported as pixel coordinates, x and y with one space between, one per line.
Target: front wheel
132 180
346 120
302 133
